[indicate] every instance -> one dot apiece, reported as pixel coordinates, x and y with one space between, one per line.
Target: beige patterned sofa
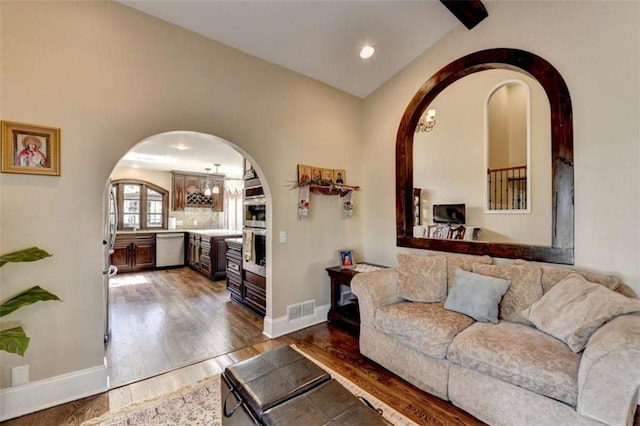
583 369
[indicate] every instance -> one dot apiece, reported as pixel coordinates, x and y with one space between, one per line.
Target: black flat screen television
449 213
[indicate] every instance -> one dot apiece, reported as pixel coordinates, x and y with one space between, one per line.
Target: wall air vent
301 310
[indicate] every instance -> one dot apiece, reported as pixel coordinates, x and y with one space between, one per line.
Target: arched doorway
172 316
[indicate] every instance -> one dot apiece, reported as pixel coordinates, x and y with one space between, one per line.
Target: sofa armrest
609 374
375 289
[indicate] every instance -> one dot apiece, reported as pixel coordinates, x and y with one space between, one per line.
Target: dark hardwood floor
194 307
166 319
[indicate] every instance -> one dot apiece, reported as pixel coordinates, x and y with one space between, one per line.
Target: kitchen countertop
207 232
215 232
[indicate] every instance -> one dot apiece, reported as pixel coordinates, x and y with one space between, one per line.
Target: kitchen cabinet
255 293
245 287
193 251
134 252
208 254
205 256
188 191
178 194
234 268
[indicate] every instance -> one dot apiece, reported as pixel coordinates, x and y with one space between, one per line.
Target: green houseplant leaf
14 341
27 297
27 255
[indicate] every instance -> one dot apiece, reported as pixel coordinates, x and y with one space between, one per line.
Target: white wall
109 77
594 46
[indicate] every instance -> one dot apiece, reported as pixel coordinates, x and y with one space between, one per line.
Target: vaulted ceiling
319 39
322 39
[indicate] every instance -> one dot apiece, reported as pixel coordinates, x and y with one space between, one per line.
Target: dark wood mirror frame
562 237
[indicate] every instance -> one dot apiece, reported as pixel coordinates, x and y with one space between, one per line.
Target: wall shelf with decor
340 190
323 181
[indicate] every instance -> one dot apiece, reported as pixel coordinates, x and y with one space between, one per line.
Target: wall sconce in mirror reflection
427 122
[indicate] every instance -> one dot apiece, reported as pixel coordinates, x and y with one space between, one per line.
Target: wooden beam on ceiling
469 12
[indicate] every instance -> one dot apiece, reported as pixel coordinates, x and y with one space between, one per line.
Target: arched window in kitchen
141 205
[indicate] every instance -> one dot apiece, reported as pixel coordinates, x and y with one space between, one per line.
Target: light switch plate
283 236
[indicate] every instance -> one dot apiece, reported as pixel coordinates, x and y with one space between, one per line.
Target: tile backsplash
197 218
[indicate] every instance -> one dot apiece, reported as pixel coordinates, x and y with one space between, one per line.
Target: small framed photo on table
345 259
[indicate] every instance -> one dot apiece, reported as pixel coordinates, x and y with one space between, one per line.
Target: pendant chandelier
207 189
216 188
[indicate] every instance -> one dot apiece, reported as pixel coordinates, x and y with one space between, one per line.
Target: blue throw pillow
477 296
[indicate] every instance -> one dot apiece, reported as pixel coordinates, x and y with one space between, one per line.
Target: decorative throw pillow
524 290
575 308
477 296
552 275
462 261
422 278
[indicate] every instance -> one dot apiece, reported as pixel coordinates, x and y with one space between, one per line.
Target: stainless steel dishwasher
170 249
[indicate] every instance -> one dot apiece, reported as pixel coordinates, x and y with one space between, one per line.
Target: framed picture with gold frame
316 175
327 177
304 173
30 149
339 176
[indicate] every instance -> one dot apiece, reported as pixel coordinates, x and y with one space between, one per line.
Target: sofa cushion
552 275
422 278
476 295
462 261
524 290
574 308
426 327
521 355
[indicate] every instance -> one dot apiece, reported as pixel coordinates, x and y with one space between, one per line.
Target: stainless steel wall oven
254 246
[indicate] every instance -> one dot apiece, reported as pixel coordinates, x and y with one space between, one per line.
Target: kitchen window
141 205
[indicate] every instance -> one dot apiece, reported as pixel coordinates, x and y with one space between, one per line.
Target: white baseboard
35 396
280 326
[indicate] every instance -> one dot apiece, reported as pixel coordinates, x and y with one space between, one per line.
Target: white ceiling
186 151
319 39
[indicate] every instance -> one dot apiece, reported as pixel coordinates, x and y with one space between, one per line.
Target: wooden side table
346 316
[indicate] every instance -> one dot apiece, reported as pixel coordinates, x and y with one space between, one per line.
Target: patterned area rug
200 404
191 405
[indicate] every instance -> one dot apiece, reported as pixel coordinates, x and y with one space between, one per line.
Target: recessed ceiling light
367 52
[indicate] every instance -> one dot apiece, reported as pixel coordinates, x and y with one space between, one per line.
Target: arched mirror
559 246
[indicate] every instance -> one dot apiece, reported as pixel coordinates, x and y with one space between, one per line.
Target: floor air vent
301 310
